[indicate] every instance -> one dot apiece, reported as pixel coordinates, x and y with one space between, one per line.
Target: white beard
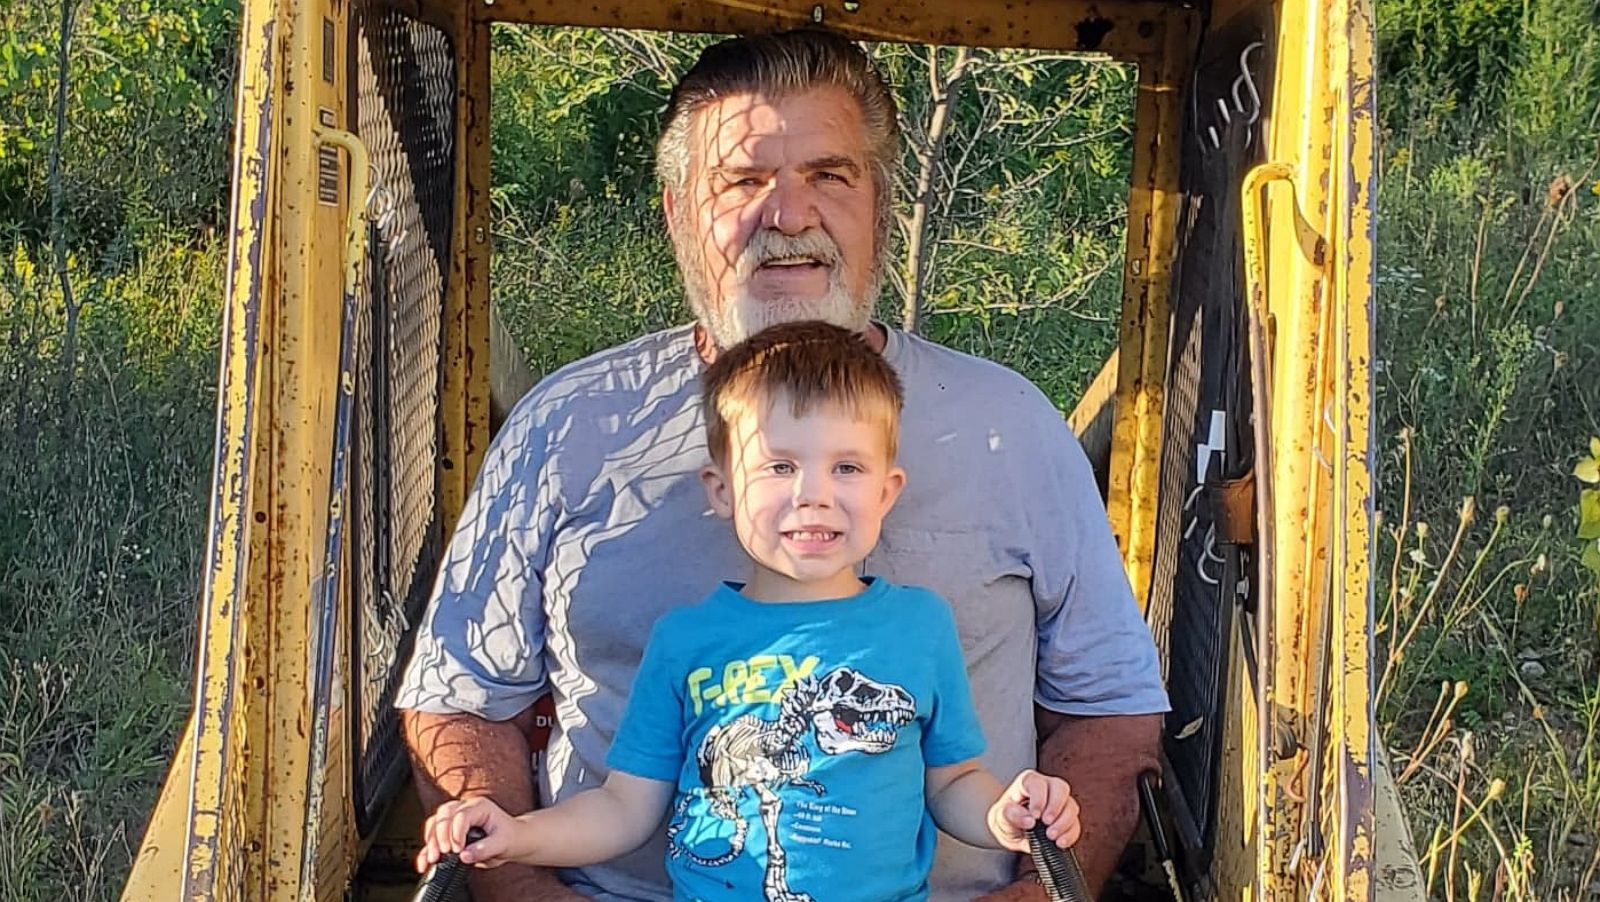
742 316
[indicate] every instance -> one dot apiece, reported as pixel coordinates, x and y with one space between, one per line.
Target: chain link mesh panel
1196 586
405 75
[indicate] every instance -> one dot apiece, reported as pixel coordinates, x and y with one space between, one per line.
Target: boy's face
807 496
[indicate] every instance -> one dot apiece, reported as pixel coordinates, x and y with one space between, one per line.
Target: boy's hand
446 831
1034 797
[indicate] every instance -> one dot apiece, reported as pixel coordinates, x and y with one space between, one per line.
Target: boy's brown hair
811 364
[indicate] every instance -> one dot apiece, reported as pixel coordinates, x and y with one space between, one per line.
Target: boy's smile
807 496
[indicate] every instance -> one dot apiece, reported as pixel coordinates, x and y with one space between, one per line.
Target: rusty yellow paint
1309 273
303 387
1130 30
205 832
158 867
465 399
1355 840
358 175
1146 313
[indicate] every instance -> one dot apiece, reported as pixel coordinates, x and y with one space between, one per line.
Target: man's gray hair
776 66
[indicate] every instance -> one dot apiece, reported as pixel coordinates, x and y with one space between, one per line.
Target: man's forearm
1101 757
461 755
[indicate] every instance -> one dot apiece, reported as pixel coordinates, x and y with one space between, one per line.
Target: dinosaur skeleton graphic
847 711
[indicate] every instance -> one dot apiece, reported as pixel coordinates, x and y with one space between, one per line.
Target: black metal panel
1197 576
405 76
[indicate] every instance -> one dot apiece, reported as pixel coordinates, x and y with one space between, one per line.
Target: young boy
809 728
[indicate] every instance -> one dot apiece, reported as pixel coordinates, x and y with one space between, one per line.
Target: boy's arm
969 804
960 796
593 826
598 824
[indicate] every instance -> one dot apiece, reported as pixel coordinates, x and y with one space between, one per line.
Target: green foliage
148 105
1588 470
102 518
1026 243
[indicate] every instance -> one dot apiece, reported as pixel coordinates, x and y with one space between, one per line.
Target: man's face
776 222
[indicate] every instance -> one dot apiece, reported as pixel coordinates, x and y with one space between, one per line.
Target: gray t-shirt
588 522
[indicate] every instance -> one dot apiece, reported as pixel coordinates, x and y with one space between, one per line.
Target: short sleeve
650 741
952 733
1096 656
479 647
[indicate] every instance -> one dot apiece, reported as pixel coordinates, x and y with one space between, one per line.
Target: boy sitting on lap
808 728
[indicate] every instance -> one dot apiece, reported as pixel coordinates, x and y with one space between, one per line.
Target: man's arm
462 755
1101 757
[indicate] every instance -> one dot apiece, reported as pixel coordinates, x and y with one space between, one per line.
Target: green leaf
1591 556
1589 514
1588 470
1594 447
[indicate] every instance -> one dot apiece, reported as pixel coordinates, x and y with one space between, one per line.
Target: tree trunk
928 158
58 226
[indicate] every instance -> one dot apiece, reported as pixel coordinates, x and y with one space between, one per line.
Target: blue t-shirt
819 717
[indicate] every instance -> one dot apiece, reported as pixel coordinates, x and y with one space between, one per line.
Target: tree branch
58 228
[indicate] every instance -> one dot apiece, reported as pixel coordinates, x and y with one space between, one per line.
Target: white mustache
767 245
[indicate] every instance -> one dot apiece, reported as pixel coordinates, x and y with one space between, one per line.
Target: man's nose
790 206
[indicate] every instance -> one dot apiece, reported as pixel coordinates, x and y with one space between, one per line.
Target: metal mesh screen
1197 576
405 76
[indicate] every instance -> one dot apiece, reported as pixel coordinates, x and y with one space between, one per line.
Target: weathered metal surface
1153 205
327 591
191 846
466 317
1395 874
1092 417
303 386
1122 29
1354 848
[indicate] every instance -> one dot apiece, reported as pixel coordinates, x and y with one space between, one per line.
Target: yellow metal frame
229 822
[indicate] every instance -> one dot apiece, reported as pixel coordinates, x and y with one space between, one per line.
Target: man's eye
833 177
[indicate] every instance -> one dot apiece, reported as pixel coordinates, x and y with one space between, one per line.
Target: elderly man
777 163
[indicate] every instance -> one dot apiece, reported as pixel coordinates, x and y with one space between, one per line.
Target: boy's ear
717 493
893 485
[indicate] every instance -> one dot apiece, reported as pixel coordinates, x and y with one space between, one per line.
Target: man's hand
464 756
1102 757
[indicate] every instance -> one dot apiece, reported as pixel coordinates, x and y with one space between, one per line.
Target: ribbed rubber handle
1058 868
448 876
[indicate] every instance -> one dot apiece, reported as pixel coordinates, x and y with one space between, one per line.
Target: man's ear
893 485
717 492
668 205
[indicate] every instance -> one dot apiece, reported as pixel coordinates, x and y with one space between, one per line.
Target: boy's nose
813 490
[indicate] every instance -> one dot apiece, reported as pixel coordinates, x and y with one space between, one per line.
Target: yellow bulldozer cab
355 407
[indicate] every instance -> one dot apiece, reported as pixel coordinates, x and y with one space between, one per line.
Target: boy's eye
848 468
781 468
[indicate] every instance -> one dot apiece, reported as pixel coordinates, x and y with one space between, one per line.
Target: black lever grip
448 876
1058 868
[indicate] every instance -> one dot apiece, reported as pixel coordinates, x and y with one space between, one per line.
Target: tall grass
1489 258
101 523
